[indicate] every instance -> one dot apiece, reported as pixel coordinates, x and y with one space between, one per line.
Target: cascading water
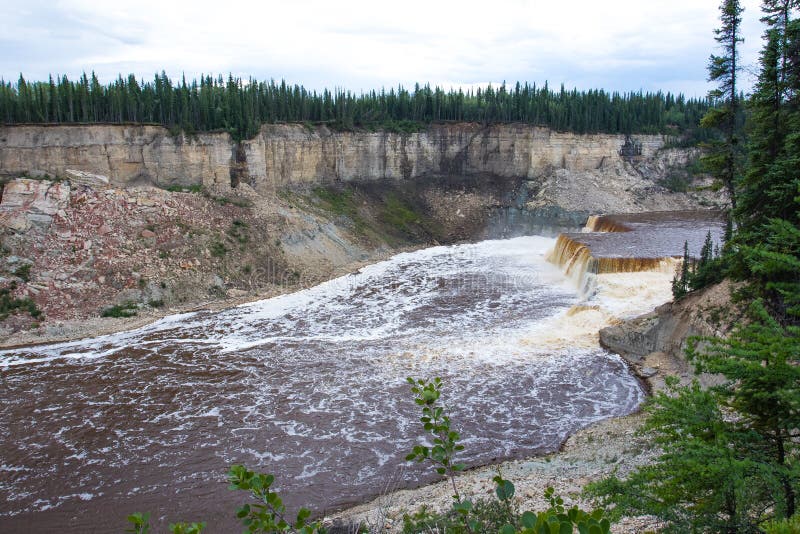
634 243
311 386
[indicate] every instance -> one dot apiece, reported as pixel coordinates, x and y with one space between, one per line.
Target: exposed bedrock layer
657 341
562 177
294 154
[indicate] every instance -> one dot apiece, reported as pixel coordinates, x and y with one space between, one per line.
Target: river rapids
310 386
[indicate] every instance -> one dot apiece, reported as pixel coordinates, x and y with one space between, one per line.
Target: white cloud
616 44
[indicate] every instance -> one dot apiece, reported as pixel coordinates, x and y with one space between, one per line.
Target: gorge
310 384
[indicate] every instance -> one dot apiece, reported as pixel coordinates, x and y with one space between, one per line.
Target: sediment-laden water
309 386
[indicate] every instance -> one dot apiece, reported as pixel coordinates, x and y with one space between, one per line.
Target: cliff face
128 155
657 341
292 154
284 155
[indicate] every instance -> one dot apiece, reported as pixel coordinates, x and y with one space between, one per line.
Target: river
310 386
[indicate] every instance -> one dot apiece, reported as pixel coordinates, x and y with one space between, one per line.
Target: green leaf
572 513
508 529
528 520
504 490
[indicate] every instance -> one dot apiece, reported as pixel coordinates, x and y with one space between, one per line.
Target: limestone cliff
551 181
128 155
294 154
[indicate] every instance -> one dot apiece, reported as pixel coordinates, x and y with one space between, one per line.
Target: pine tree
722 161
761 362
680 283
703 479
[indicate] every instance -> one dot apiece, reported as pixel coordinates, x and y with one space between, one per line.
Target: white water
311 385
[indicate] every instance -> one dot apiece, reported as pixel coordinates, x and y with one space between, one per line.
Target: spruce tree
722 160
761 363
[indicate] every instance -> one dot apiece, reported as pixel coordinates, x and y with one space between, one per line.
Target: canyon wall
284 155
127 155
291 154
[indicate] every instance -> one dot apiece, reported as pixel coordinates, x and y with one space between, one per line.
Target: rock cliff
294 154
128 155
551 181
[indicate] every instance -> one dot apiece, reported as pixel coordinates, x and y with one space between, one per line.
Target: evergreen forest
240 106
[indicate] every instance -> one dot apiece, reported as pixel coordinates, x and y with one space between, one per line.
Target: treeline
240 106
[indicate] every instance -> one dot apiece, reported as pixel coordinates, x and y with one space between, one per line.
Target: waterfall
573 254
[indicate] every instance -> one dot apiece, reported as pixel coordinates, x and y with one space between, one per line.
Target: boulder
28 204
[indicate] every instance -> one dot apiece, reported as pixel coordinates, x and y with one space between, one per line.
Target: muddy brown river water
308 386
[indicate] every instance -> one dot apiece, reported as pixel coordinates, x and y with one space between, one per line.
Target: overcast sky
360 45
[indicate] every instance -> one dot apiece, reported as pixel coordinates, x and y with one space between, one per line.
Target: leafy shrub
399 215
268 513
465 516
676 182
339 202
217 249
10 305
238 231
126 309
24 272
193 188
489 512
785 526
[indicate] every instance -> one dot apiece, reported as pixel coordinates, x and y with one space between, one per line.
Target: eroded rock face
284 155
128 155
293 154
561 173
28 204
657 341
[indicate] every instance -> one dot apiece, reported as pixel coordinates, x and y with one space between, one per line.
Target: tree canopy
241 106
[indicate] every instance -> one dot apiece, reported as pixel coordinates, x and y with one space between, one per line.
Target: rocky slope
655 343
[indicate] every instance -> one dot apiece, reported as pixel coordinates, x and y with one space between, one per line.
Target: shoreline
90 327
607 446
